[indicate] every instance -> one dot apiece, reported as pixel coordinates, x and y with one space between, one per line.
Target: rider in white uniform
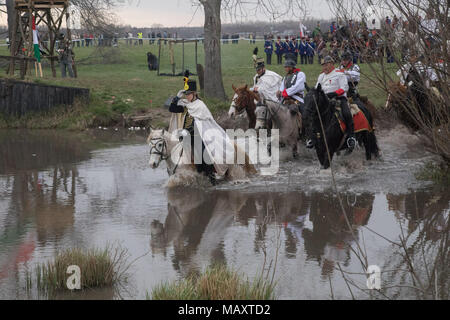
265 81
352 72
335 85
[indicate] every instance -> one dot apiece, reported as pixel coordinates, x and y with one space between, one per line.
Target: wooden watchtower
51 13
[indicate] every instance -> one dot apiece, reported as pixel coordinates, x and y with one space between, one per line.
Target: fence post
182 68
159 56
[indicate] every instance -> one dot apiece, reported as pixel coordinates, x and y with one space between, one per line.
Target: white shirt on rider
428 73
335 81
297 89
353 73
267 84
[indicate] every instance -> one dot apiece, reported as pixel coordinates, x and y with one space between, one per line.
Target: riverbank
122 87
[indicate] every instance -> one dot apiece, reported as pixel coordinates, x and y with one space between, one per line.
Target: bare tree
11 16
236 9
416 41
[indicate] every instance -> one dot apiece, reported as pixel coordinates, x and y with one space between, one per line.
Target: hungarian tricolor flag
37 52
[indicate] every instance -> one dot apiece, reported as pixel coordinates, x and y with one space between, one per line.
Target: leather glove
180 94
285 95
175 101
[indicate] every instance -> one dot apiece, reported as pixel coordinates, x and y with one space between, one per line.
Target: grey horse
282 118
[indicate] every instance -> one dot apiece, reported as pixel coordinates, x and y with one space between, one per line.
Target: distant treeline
259 28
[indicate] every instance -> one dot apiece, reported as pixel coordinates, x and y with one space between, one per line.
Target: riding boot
348 119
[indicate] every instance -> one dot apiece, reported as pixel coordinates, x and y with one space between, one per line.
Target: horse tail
373 144
368 109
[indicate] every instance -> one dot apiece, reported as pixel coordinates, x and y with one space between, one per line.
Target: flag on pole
37 51
302 30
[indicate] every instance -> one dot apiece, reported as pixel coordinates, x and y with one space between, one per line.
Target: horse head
316 102
245 98
158 147
262 117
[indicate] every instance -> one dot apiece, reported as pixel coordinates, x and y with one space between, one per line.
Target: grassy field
121 83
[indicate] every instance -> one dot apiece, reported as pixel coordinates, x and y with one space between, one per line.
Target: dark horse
317 101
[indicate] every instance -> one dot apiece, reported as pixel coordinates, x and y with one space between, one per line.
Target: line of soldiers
304 47
339 84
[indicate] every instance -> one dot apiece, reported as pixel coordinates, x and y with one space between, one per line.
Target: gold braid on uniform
188 121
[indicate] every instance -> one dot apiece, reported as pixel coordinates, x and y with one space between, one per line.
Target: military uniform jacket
278 48
294 84
302 48
268 84
268 47
335 81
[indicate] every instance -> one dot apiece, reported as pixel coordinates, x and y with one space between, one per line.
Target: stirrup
351 145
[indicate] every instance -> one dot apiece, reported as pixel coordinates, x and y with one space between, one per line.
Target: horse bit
159 150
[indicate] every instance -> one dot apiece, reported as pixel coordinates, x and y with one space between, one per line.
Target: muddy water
64 190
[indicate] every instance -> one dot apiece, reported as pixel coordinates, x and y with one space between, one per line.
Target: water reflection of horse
198 223
330 239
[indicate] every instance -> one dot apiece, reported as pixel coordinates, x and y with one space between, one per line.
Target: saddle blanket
359 120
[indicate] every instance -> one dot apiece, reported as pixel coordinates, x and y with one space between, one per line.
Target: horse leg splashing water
321 119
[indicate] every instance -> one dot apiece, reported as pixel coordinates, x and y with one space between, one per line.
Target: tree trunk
11 17
213 61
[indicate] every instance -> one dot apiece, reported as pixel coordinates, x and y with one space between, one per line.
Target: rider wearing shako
352 72
177 106
186 103
216 146
292 87
265 81
335 85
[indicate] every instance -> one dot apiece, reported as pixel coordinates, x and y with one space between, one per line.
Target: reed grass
215 283
99 268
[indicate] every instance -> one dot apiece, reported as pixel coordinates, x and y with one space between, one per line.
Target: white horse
165 146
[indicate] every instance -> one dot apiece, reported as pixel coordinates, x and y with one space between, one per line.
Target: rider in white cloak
192 117
265 81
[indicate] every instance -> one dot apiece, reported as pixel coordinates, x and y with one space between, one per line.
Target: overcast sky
179 13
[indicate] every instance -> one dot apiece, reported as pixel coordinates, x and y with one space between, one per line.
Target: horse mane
246 90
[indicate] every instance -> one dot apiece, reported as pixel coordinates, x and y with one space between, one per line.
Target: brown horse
245 100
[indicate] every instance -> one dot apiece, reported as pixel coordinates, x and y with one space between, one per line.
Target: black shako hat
191 86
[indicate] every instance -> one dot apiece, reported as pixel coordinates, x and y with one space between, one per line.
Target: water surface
63 190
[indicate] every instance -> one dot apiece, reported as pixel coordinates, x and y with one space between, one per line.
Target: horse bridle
159 151
262 115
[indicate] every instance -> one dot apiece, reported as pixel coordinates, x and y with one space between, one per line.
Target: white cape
220 148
